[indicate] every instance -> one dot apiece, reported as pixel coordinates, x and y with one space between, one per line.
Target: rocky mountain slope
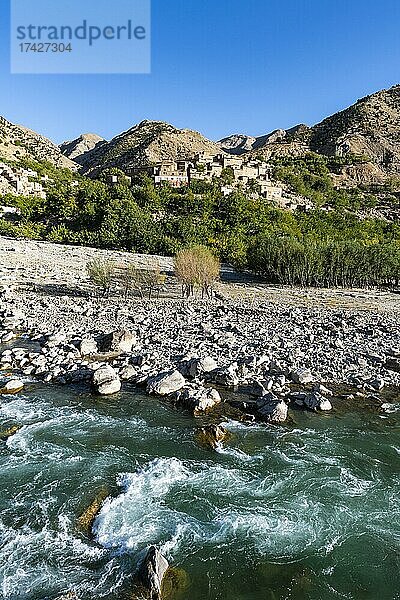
240 143
79 148
18 142
146 143
370 127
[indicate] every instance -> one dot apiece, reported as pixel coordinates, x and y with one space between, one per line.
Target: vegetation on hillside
319 247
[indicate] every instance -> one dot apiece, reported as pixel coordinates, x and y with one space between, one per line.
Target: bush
197 267
101 273
142 280
328 263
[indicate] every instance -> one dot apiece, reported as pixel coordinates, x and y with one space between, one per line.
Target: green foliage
320 247
101 273
309 262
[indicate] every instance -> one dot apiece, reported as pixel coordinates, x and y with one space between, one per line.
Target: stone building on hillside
206 167
21 182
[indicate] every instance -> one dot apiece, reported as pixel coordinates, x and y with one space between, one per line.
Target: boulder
198 399
229 376
88 347
272 409
12 386
212 435
106 381
199 366
316 401
152 571
393 364
87 518
127 372
313 401
377 384
301 376
165 384
120 342
7 433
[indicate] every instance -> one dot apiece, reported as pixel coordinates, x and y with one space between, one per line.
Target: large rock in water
272 409
12 386
68 596
166 383
118 341
212 435
152 571
106 381
199 400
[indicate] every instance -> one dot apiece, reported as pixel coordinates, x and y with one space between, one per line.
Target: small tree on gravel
142 281
101 273
197 267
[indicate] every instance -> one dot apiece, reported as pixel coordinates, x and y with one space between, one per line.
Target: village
19 181
206 167
232 172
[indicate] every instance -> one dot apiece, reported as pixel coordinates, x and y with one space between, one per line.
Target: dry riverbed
279 346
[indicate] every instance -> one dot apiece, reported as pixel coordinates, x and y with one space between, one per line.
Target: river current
306 511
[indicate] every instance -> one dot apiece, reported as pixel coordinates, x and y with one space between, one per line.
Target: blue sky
221 67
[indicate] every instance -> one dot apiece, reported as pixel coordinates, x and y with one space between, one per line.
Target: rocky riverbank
279 352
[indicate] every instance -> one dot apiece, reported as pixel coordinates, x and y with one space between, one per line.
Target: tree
197 267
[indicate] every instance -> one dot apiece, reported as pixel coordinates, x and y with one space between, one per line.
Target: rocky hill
241 143
78 149
147 143
17 142
369 128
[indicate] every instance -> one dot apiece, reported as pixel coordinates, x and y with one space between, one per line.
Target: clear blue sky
222 67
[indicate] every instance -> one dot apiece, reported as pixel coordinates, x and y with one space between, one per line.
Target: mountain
369 128
79 148
18 142
147 143
241 143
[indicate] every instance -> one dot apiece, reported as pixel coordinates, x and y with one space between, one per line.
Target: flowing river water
306 511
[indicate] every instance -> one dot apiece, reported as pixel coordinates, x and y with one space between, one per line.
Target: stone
8 337
259 388
199 366
127 373
272 409
120 342
12 386
152 571
377 384
165 384
212 435
228 377
87 518
7 433
199 399
315 401
106 381
88 347
301 376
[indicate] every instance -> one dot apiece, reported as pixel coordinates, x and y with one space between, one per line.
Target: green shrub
101 273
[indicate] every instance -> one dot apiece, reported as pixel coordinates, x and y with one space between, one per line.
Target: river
306 511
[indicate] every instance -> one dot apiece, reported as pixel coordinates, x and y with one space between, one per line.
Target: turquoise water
307 511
